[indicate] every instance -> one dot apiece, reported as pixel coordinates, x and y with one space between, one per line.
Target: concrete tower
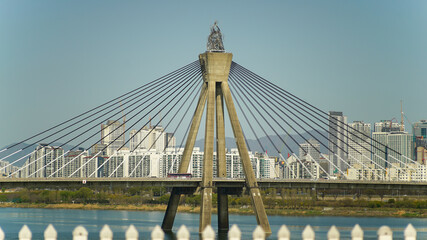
215 65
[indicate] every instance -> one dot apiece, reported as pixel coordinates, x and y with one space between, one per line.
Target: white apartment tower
44 162
402 143
359 143
112 135
150 138
338 142
312 148
389 144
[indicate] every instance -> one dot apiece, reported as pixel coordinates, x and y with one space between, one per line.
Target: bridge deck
75 183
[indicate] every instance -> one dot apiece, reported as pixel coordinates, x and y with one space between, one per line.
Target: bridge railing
80 233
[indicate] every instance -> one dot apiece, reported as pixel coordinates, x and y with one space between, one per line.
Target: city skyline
353 59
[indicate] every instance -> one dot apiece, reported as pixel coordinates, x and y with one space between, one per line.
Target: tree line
273 198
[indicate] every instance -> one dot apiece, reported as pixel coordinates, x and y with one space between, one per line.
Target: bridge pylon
215 65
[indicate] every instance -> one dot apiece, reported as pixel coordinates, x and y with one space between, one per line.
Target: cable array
273 108
267 110
148 100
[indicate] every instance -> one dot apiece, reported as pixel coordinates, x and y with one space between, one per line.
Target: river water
65 220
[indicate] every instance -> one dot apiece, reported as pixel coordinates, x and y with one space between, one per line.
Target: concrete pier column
222 198
207 177
223 222
170 214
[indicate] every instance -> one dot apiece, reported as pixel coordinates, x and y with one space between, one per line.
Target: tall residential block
389 144
359 143
151 138
8 170
112 135
402 143
338 142
74 161
310 151
44 162
419 130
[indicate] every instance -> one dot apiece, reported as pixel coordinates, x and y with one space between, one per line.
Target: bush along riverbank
285 202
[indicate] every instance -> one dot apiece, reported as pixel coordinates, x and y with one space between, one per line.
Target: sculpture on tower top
215 40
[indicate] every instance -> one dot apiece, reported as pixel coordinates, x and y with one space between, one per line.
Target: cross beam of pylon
215 90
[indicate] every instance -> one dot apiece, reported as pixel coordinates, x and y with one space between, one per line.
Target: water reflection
65 220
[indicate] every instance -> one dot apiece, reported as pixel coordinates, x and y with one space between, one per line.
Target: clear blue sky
60 58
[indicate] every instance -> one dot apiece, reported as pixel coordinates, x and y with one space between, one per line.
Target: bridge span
193 183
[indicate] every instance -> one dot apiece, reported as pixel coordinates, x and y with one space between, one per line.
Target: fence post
333 233
157 233
258 233
385 233
283 233
1 234
410 233
132 233
308 233
357 233
183 233
208 233
80 233
25 233
106 233
50 233
234 233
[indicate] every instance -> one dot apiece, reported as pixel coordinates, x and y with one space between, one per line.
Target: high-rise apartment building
301 169
44 162
310 150
100 149
139 163
151 138
419 130
402 144
359 143
8 170
112 135
379 149
74 163
338 142
92 166
389 144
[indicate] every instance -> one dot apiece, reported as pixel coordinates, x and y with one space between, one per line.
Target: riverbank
314 211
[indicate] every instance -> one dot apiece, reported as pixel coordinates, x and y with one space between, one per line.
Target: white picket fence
80 233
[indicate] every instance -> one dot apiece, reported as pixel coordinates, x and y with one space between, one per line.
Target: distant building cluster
358 152
7 168
355 151
152 153
139 163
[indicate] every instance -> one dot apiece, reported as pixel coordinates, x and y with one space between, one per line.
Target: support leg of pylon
194 129
251 182
170 214
223 224
171 211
